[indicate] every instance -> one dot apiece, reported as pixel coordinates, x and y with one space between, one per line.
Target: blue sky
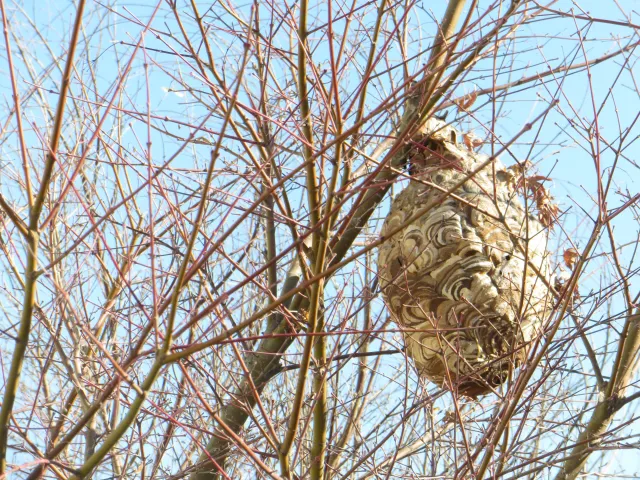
559 148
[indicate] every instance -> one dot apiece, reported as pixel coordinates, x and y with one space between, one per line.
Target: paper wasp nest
461 279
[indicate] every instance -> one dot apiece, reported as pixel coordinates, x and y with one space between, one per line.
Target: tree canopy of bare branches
191 200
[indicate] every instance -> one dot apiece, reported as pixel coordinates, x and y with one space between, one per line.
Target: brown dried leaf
471 141
537 179
570 256
450 417
467 101
518 170
547 209
547 215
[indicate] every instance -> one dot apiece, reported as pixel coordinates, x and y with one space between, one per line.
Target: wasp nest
465 279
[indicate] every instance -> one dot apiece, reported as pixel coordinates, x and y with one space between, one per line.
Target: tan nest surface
464 279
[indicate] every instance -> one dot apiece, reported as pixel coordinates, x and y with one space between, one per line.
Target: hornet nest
465 279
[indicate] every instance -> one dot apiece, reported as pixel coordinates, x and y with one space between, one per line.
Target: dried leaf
471 141
467 101
537 179
450 417
570 256
547 214
517 171
520 168
547 209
